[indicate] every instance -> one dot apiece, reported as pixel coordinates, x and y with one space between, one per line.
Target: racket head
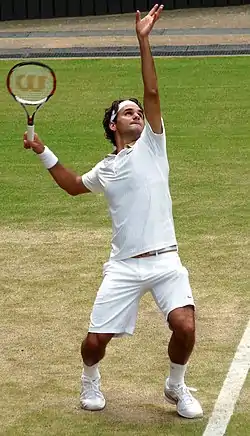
31 83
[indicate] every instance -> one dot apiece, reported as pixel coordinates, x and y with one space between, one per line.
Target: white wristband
48 158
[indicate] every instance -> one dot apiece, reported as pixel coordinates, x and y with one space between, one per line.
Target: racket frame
24 103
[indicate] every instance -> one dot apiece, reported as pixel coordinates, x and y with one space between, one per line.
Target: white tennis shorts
126 281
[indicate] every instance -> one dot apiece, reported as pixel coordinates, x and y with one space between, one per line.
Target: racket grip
30 132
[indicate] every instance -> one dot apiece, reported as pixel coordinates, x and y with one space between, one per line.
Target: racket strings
31 85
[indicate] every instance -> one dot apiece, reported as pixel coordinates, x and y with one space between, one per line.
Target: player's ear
112 127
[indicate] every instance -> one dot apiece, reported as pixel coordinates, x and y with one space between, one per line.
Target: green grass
53 247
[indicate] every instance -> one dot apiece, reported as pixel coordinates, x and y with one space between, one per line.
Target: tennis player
144 254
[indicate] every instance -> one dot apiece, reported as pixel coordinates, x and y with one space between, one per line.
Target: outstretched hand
146 24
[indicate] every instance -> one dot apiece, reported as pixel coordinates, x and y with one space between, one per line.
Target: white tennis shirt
135 183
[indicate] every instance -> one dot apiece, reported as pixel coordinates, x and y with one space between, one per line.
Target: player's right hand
36 145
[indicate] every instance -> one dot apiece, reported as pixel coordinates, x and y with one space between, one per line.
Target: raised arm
151 93
66 179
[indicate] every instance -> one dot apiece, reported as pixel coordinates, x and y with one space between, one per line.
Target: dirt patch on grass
28 254
29 237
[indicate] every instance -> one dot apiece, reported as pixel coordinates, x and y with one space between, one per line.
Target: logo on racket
31 82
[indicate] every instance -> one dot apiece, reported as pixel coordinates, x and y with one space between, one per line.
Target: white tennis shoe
186 405
91 397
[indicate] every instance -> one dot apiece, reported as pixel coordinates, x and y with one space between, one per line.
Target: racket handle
30 132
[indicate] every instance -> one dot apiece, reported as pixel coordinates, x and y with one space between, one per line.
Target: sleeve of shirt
91 180
156 142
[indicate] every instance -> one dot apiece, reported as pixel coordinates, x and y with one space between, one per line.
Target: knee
91 343
95 342
185 330
182 323
90 350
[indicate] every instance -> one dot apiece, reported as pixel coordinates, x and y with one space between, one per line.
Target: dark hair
109 134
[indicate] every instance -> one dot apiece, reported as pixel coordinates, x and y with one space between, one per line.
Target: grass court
53 247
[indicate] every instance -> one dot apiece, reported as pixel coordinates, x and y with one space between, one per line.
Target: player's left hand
145 25
36 145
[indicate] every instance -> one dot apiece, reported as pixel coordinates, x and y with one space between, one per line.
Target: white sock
177 373
91 371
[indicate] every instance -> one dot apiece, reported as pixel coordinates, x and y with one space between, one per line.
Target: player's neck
124 142
119 148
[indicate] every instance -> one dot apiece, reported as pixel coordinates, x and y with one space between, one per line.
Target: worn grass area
53 248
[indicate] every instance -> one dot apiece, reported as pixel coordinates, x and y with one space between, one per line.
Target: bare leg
93 350
94 346
182 323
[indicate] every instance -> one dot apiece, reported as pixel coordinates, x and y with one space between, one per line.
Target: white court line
224 406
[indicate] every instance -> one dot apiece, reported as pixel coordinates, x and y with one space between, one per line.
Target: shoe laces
91 388
184 394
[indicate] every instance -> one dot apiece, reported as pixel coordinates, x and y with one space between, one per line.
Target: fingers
25 141
153 10
158 12
137 16
26 145
36 145
154 13
36 138
29 144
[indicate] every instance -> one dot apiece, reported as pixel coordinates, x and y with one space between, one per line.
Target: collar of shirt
115 152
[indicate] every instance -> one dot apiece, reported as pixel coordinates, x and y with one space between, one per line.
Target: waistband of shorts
156 252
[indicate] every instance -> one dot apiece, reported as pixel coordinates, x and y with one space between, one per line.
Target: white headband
121 106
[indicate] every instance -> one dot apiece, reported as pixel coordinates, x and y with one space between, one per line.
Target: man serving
144 254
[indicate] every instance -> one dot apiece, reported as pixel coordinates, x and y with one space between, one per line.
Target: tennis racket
31 84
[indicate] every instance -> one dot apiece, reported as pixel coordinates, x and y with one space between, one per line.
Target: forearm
148 67
66 179
151 98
